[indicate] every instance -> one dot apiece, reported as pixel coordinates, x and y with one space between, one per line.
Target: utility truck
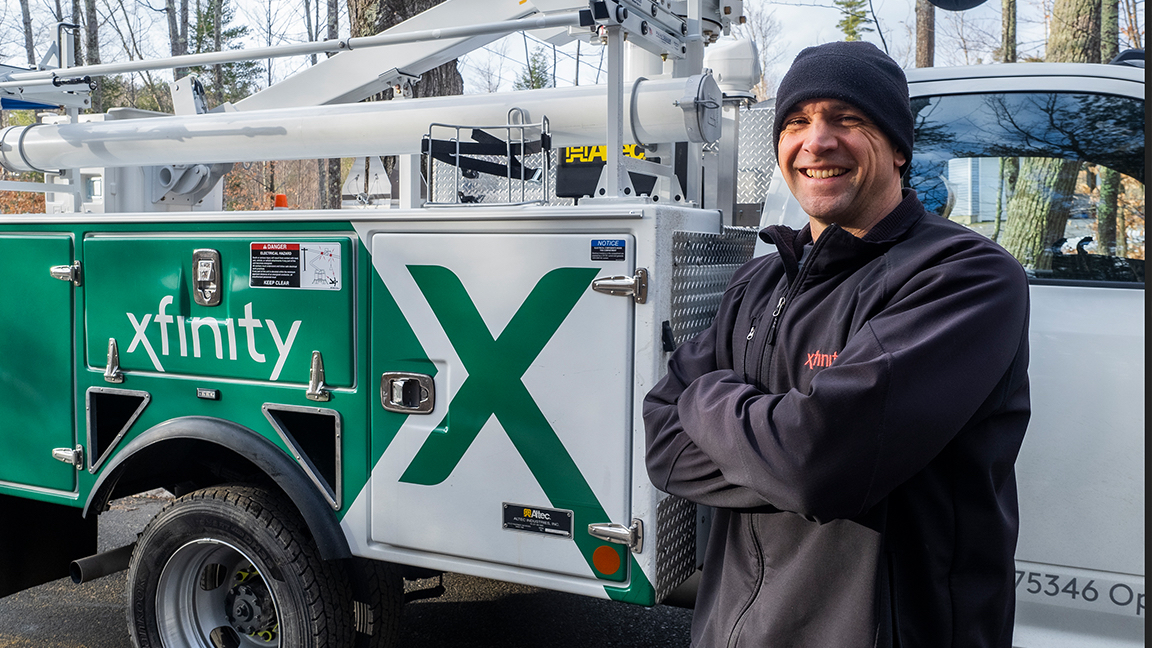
449 377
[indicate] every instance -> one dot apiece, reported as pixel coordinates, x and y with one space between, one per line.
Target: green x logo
493 386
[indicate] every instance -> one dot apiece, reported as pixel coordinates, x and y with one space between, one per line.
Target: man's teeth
824 173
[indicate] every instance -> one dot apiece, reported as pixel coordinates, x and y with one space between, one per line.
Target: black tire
378 588
234 566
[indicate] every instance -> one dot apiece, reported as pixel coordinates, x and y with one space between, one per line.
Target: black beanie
858 73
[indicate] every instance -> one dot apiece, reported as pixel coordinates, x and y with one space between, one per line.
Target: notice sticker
533 519
608 249
307 266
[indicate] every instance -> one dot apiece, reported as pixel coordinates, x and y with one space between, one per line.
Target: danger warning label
309 266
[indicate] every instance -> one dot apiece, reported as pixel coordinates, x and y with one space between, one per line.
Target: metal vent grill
702 265
675 544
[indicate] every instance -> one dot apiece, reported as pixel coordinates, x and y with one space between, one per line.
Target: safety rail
522 160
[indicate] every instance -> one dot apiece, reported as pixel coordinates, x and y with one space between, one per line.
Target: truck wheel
378 589
234 567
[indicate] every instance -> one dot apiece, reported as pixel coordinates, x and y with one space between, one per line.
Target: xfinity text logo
210 331
818 359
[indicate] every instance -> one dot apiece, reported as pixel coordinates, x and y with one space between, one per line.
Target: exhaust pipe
102 564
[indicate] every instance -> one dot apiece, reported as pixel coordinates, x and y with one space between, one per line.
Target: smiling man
855 410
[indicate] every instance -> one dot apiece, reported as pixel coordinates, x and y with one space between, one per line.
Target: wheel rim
211 595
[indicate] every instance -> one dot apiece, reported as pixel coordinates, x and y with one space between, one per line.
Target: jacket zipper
748 345
790 292
776 318
734 637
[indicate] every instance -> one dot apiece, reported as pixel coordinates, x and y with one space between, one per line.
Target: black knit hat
858 73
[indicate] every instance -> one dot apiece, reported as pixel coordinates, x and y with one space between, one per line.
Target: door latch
69 273
632 536
635 286
112 371
317 390
206 277
74 456
407 393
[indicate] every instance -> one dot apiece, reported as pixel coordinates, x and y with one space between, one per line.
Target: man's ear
898 157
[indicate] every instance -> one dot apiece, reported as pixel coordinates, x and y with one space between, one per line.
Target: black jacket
855 420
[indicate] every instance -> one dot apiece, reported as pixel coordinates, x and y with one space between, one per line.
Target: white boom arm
667 110
353 76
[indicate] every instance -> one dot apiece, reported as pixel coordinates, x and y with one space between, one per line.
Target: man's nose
820 137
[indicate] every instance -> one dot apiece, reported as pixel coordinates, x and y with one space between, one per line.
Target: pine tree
537 74
855 22
235 80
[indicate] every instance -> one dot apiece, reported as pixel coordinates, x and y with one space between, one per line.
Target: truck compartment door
36 393
528 440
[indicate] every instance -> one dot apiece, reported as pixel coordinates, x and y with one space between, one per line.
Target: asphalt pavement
473 613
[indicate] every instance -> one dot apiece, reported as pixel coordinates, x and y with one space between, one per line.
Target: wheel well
188 454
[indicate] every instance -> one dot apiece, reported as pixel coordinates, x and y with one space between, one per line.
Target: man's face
840 166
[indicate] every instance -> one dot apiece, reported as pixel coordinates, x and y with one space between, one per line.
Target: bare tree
925 34
1008 31
308 30
1110 184
27 15
77 19
92 50
764 29
177 32
488 70
330 179
1133 28
973 39
123 24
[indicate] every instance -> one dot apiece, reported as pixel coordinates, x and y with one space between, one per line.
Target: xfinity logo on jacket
819 359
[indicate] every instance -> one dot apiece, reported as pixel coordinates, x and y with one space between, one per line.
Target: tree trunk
173 27
217 17
28 33
1106 226
311 33
330 176
77 19
925 34
1008 31
1038 211
1075 32
1109 30
369 17
1106 230
92 33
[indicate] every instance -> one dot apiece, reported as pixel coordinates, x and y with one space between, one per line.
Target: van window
1055 178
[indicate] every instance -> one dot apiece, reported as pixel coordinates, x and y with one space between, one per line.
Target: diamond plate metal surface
757 160
675 544
702 265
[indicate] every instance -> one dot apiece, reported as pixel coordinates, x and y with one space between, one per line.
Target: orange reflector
606 560
281 202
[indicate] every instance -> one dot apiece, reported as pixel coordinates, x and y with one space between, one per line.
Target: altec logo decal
538 515
819 359
195 328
